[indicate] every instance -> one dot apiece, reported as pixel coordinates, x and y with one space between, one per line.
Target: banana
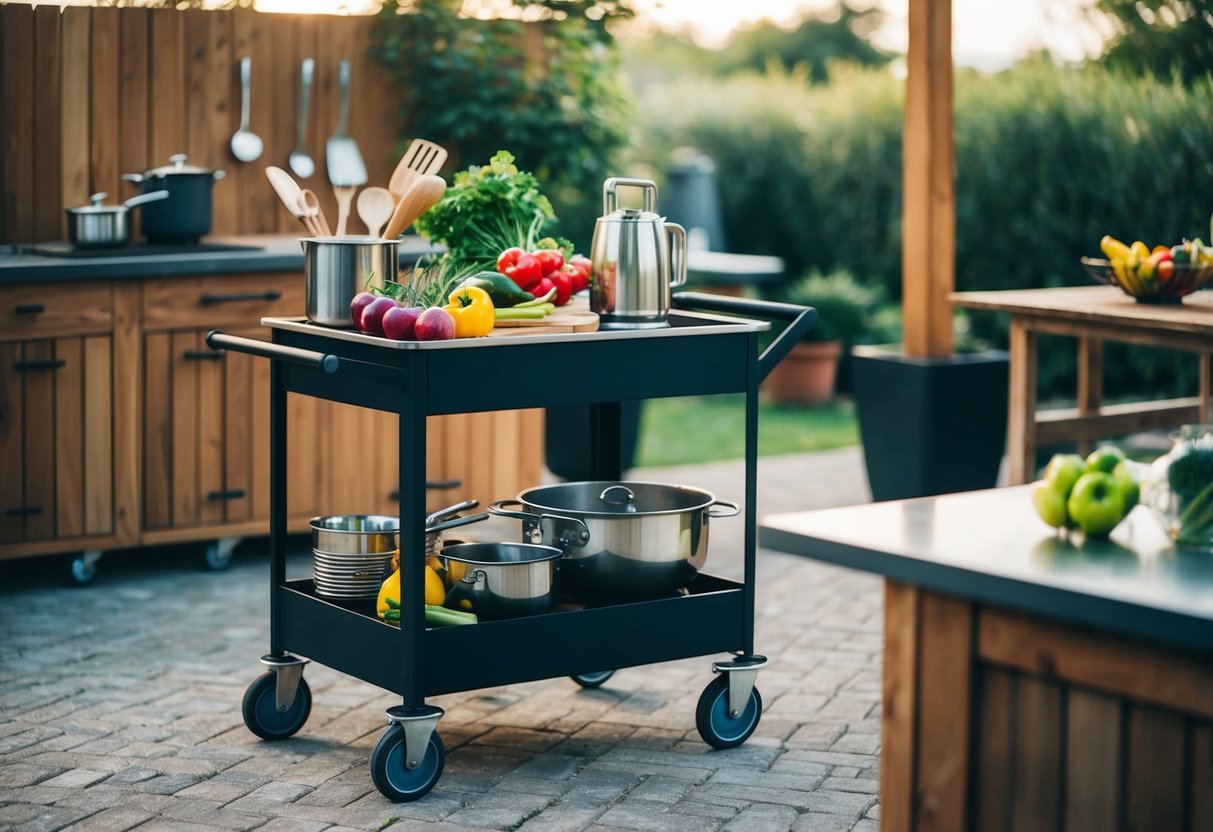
1113 248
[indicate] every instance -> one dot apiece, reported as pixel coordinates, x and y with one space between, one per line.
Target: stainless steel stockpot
501 580
337 268
620 539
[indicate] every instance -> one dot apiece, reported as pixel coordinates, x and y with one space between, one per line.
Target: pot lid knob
623 496
97 199
178 160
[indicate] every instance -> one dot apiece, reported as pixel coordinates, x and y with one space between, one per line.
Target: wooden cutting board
575 316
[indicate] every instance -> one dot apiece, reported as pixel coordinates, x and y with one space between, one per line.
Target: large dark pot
185 216
930 425
620 539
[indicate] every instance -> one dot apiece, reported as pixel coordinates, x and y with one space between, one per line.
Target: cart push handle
802 320
217 340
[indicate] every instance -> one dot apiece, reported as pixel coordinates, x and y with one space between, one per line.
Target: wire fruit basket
1184 279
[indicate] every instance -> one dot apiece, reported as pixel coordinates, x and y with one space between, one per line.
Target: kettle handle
610 201
678 254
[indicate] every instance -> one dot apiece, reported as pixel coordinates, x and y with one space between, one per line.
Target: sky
986 34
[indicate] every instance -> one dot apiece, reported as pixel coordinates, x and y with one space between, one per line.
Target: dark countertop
990 547
273 253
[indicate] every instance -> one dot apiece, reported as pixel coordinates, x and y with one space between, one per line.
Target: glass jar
1179 487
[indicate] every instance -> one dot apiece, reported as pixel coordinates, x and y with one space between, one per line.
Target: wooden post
929 205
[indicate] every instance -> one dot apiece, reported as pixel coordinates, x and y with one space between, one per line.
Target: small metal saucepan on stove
621 539
105 226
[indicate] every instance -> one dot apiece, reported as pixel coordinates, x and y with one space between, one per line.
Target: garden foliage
1047 161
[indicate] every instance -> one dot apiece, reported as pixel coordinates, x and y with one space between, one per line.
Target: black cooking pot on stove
185 215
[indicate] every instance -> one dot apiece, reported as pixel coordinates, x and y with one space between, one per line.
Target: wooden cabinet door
56 439
206 434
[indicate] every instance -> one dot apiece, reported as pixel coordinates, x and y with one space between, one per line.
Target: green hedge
1047 161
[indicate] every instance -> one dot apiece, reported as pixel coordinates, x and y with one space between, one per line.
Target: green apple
1105 458
1126 477
1050 504
1064 470
1096 504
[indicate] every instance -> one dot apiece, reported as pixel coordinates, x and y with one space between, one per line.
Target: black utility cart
705 350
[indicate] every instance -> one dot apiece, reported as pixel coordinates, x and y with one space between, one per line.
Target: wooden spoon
375 207
421 196
422 157
310 203
288 191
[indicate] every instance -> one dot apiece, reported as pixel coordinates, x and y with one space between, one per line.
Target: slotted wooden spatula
422 157
420 197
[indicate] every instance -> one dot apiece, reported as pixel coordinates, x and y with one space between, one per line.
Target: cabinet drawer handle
228 494
203 355
39 364
24 511
430 485
29 309
269 295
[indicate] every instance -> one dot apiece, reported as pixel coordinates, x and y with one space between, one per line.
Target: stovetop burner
65 249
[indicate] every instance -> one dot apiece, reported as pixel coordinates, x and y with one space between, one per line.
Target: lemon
435 592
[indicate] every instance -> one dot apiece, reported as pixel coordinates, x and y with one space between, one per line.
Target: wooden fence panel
118 90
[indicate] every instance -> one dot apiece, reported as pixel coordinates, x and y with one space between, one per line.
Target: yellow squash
435 592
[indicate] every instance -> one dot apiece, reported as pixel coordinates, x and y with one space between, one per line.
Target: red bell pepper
519 266
564 286
582 264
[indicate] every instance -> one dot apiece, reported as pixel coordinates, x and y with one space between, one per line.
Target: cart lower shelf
708 619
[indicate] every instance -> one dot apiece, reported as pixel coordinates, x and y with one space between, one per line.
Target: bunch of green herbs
488 209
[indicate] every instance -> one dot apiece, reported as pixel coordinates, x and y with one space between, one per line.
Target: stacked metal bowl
351 554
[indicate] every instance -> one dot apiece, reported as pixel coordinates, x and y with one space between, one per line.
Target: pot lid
631 215
177 165
95 206
608 499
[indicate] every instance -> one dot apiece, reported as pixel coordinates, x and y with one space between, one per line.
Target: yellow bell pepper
389 592
473 311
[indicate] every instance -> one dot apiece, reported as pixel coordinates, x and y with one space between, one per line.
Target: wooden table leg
1021 413
1206 387
1090 383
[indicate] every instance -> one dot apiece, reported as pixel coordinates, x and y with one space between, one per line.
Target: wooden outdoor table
1030 682
1093 315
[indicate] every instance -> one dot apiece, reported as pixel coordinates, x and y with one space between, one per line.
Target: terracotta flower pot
806 375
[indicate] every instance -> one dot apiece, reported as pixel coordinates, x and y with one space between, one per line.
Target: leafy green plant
844 306
547 89
489 209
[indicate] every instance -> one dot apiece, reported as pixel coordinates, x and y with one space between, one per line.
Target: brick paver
120 708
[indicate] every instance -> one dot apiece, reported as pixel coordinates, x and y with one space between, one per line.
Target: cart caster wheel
261 714
397 783
592 680
218 554
716 726
81 569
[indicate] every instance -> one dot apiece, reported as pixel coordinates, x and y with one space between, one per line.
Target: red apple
398 323
435 324
361 301
372 315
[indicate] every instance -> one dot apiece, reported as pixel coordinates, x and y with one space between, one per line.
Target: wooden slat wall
116 91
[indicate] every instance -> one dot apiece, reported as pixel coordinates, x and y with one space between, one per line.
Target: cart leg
418 725
742 672
288 670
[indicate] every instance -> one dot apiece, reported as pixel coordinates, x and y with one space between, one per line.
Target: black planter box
930 425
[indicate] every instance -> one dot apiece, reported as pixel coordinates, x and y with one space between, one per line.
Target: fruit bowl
1184 279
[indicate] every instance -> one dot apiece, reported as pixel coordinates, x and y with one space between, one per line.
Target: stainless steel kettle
636 259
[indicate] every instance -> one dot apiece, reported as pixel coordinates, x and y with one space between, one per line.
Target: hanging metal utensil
346 168
246 145
300 162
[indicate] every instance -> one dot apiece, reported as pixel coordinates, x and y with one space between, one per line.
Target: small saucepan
105 226
501 580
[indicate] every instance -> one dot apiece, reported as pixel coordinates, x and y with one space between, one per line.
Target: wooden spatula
422 157
288 191
421 196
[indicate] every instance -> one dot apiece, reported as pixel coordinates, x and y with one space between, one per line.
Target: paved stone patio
120 707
